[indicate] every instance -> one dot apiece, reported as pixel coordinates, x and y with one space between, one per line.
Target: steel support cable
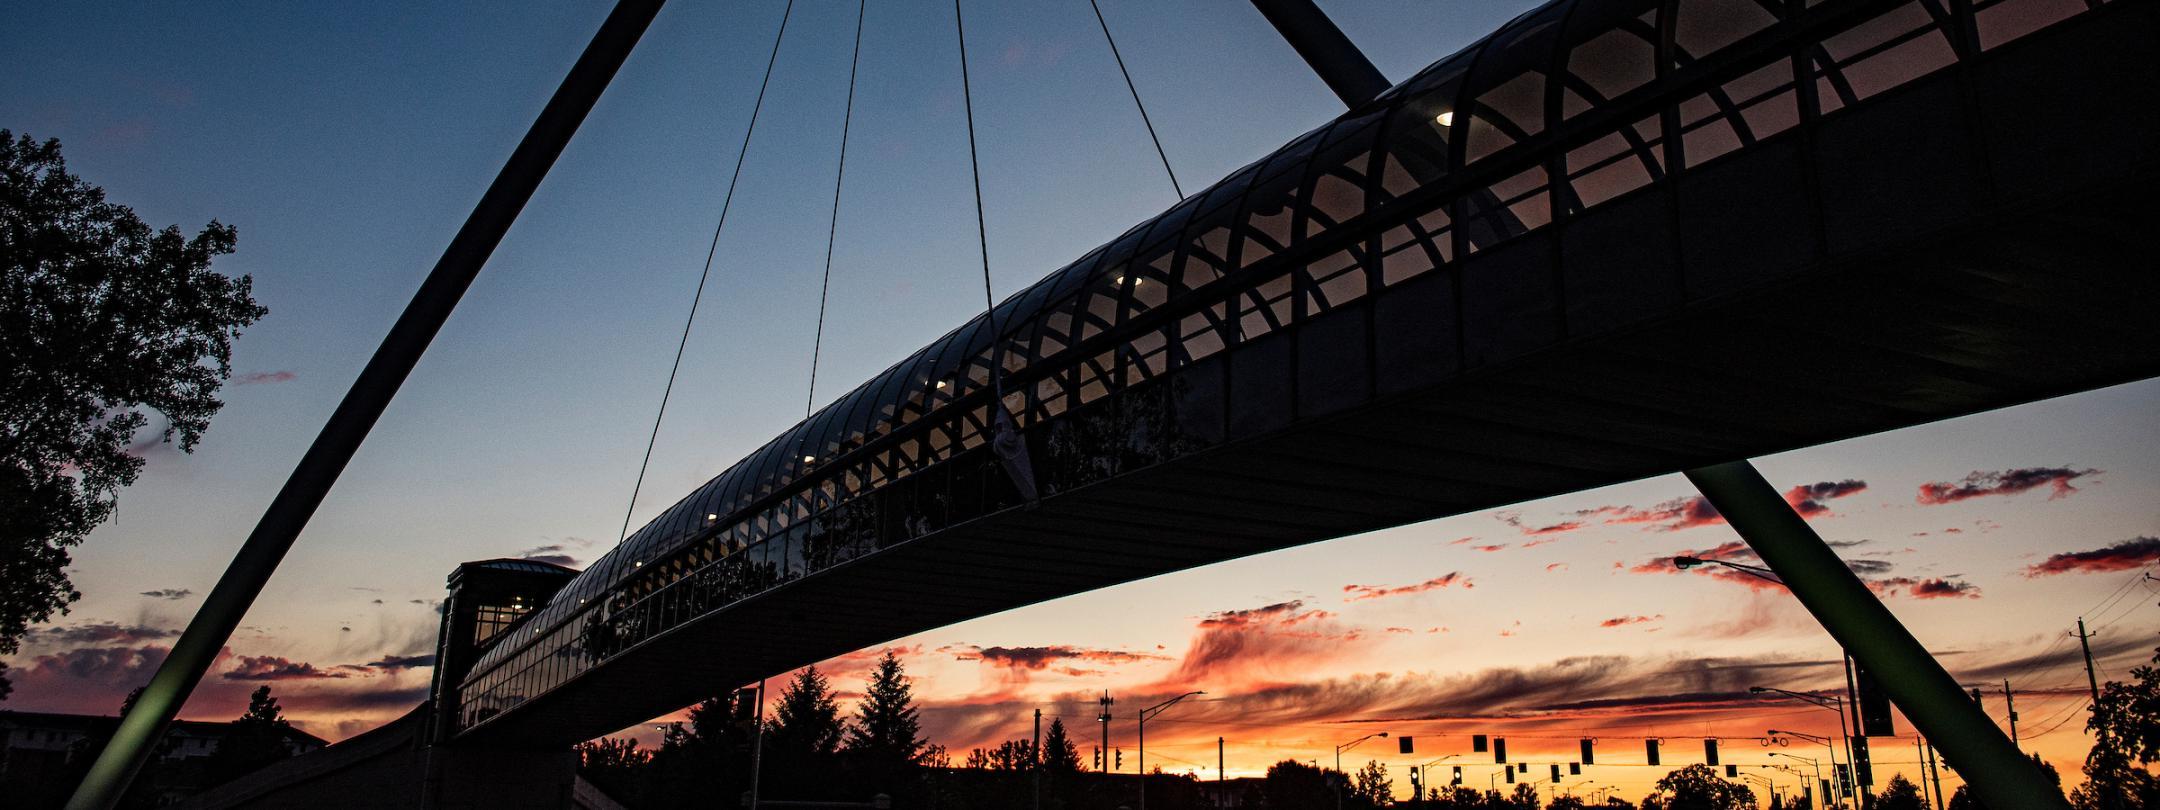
1136 99
726 201
832 230
982 234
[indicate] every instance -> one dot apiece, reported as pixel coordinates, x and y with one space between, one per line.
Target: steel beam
1930 698
281 524
1326 49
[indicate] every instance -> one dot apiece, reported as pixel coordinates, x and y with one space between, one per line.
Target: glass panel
2006 20
1614 62
1617 163
1703 27
1883 53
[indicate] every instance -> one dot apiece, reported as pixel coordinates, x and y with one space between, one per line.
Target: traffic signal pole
2000 775
250 570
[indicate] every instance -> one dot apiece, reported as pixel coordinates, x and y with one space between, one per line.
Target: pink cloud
264 377
2136 552
1980 484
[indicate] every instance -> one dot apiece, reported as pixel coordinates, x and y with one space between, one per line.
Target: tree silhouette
1697 787
1963 799
2125 725
615 765
1372 786
1291 783
104 319
885 741
1525 796
260 737
1059 754
1900 794
802 741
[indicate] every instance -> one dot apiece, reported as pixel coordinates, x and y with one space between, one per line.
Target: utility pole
1862 780
1218 761
1105 718
1919 747
2010 705
1935 776
1038 759
2084 640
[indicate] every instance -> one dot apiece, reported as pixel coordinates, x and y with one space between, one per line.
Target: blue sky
348 143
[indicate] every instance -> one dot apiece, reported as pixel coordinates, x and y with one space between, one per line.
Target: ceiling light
1446 119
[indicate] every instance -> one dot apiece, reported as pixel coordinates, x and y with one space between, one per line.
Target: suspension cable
726 202
847 116
1136 99
967 97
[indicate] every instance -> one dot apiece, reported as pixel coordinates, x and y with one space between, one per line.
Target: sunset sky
347 143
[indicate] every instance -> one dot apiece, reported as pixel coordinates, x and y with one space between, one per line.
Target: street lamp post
1146 713
1423 779
1815 763
1836 705
1338 764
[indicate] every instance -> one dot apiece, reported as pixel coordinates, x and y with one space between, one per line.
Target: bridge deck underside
1923 315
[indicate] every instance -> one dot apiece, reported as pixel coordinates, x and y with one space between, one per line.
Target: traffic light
1587 757
1709 752
1120 758
1574 769
1844 779
1511 774
1874 706
1499 750
1403 744
1477 743
1098 758
1732 771
1650 749
1458 775
1863 764
1556 773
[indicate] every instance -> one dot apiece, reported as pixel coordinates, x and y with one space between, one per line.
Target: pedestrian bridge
1614 239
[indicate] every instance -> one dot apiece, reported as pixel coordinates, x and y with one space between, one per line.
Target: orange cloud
1357 592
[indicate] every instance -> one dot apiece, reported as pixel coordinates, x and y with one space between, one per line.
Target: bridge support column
1930 698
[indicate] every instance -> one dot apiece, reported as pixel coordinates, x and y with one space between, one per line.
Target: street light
1338 764
1759 572
1424 781
1837 706
1146 713
1814 763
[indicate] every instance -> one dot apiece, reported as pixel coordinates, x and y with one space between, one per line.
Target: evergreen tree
259 738
885 741
1059 754
802 741
1900 794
